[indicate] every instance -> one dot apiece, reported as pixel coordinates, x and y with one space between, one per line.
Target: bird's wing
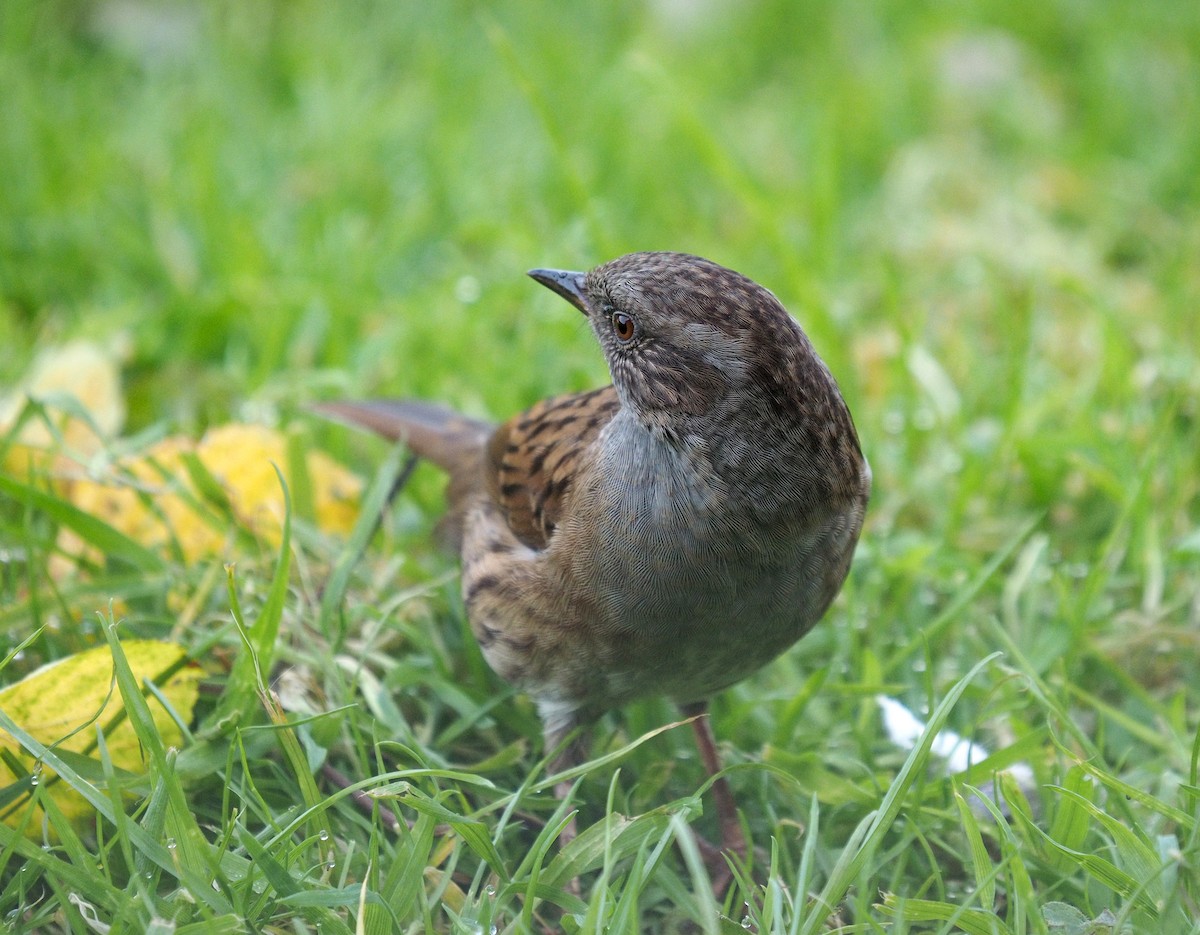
532 459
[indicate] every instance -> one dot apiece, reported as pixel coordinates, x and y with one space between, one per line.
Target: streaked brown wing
532 459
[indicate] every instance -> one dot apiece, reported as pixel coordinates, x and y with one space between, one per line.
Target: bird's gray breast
664 554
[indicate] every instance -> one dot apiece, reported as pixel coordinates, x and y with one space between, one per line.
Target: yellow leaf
89 372
152 500
59 702
240 457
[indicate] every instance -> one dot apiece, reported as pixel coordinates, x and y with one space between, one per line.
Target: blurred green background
277 199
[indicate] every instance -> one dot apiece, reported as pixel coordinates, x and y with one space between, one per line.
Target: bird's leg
732 838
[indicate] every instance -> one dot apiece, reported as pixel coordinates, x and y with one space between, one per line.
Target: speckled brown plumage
532 459
669 534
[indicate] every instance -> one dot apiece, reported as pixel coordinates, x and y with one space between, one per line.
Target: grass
986 217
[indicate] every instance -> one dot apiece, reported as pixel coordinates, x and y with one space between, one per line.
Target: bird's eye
624 327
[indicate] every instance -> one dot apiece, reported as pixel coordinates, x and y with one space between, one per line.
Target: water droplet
171 844
490 890
324 835
747 922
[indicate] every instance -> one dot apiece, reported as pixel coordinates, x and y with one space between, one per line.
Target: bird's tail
450 440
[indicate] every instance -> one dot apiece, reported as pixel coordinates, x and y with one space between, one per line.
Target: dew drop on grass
490 890
324 835
746 922
171 844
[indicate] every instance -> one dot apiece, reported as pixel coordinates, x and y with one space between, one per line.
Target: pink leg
732 838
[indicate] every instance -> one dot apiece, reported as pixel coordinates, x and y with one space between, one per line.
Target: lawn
985 216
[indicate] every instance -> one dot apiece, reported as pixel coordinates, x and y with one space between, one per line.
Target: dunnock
669 534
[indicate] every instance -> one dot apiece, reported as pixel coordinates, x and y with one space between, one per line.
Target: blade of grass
248 676
930 633
871 830
981 861
971 921
95 532
391 476
200 888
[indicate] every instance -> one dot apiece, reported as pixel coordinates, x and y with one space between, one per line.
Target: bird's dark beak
566 283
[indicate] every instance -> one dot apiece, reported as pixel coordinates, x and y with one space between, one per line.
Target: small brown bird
669 534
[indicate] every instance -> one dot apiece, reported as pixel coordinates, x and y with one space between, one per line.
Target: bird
668 534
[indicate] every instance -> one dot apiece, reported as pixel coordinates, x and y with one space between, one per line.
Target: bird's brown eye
623 326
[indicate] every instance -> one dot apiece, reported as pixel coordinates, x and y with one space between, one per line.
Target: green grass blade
391 475
981 861
95 532
870 832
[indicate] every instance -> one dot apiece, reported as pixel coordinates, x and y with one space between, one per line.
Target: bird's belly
698 637
683 614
